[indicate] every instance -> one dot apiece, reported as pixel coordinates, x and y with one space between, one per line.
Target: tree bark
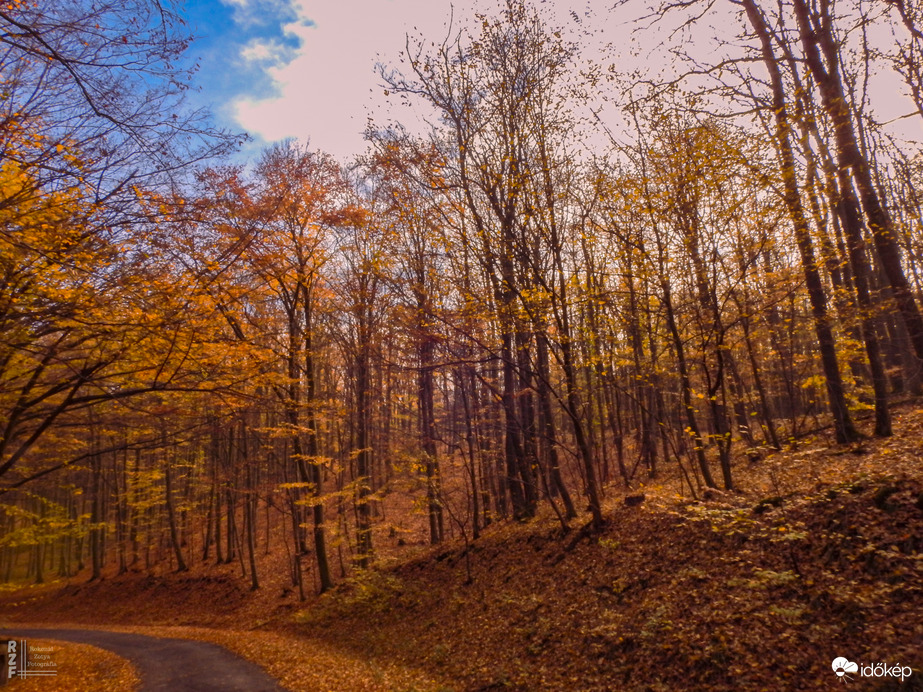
843 425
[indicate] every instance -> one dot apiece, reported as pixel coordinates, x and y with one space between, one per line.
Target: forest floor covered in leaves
818 555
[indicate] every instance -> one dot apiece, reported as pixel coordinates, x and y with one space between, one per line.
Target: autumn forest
575 288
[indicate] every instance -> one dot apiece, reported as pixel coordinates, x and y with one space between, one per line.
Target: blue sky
222 32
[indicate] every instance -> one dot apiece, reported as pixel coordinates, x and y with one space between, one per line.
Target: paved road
174 665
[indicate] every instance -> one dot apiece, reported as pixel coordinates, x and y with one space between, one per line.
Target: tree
359 282
277 228
822 55
105 78
296 197
92 112
400 170
496 92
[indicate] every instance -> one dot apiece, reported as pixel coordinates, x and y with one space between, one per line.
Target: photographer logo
26 661
846 669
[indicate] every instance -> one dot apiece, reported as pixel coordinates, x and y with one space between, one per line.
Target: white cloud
324 89
262 50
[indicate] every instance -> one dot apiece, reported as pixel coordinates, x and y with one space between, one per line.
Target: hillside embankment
818 555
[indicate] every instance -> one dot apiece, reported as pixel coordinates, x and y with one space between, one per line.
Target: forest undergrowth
817 556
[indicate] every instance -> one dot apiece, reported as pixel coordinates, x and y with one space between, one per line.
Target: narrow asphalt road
177 665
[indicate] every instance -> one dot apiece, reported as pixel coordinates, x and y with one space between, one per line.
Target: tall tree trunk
548 429
364 453
427 432
312 473
843 425
171 518
686 386
816 36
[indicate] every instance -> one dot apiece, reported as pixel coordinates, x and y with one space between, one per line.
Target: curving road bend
177 665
